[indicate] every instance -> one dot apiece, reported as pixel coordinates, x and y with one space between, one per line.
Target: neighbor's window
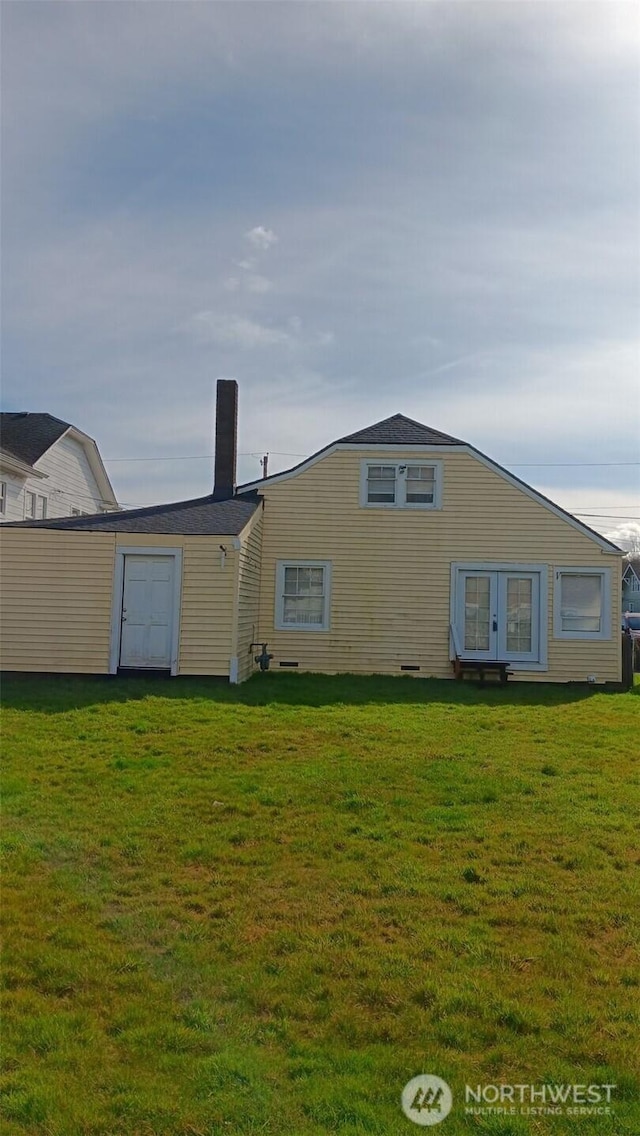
29 505
582 604
3 497
401 486
41 507
302 598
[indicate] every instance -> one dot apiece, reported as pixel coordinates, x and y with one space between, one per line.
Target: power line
205 457
560 465
605 516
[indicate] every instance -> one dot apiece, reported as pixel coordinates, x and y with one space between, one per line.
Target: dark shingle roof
399 431
395 431
29 436
201 517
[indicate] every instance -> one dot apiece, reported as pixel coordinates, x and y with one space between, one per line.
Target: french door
498 615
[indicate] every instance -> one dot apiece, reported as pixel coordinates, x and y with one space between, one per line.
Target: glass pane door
518 616
498 615
477 615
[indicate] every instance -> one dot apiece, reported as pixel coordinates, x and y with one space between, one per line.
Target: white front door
498 615
147 611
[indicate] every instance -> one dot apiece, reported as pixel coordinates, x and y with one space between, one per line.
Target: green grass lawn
265 909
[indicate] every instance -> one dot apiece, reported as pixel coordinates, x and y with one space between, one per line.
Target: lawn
265 909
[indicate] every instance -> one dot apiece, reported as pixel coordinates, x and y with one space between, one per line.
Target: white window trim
30 496
605 628
3 498
279 623
542 570
118 593
400 502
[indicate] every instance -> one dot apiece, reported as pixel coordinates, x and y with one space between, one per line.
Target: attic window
381 484
401 486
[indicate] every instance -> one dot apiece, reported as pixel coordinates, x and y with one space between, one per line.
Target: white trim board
116 599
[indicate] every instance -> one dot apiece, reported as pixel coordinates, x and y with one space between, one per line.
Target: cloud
258 284
451 189
235 331
261 238
626 535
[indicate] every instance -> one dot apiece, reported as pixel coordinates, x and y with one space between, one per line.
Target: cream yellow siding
206 608
391 568
57 589
55 600
248 588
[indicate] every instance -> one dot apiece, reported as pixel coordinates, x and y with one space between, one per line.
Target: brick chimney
226 435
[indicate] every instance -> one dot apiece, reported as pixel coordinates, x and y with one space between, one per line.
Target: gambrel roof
401 432
28 436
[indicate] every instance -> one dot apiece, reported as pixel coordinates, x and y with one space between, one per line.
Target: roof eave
16 465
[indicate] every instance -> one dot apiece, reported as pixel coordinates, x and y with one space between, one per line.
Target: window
381 484
401 486
302 595
581 604
3 497
421 483
35 506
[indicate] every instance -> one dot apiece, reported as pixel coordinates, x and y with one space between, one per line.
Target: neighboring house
631 583
391 550
49 468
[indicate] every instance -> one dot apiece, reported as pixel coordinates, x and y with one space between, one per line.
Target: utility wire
205 457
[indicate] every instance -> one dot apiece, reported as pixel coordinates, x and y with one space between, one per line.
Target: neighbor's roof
28 436
200 517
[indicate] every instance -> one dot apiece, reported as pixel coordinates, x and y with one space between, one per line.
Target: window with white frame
35 506
401 485
3 497
302 595
582 603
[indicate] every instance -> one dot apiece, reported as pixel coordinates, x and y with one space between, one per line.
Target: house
49 468
631 583
394 549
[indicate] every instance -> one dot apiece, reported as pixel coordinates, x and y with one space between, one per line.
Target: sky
354 209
